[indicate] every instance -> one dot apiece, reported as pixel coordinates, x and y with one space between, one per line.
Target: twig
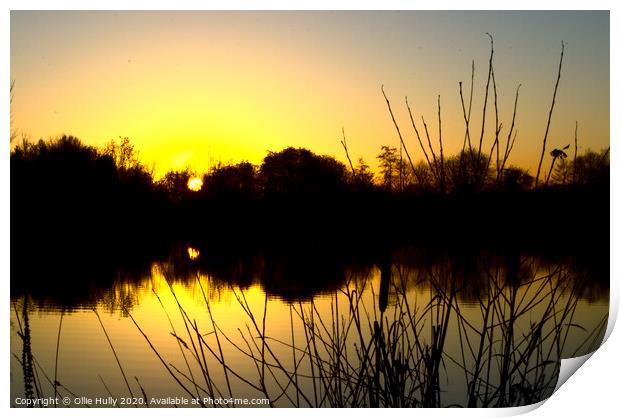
484 107
544 147
417 133
114 352
510 144
346 150
575 157
62 315
430 145
443 173
415 173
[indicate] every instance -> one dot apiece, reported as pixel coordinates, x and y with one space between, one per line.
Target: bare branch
419 139
346 150
415 173
555 90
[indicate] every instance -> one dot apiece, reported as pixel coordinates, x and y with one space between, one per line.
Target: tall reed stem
555 90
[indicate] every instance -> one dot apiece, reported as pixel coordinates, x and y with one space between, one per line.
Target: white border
591 392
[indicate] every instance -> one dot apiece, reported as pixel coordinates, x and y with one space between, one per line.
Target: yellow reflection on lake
193 253
224 339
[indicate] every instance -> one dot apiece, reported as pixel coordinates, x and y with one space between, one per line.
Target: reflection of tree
27 361
391 344
301 274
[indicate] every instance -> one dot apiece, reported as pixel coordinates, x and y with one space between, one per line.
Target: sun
194 184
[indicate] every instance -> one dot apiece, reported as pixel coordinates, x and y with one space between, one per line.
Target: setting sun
194 184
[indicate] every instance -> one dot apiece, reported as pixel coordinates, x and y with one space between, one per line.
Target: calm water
409 330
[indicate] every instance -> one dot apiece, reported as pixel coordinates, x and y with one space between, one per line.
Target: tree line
75 201
113 177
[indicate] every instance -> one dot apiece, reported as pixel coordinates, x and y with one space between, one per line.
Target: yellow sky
194 88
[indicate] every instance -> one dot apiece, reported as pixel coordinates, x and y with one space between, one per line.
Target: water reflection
289 274
192 253
407 328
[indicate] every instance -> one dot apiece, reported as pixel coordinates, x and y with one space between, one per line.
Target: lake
408 327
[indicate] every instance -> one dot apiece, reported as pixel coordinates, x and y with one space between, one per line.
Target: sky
193 88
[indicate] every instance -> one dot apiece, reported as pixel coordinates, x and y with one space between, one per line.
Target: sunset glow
197 88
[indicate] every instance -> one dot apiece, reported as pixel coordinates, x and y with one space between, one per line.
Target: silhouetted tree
60 189
63 167
426 176
515 179
298 171
231 181
389 166
67 192
175 184
123 154
466 172
591 168
364 177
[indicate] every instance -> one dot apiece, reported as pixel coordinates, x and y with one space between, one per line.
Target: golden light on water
193 253
194 184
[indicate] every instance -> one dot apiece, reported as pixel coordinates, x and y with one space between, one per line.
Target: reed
400 136
118 362
403 334
544 142
389 348
473 164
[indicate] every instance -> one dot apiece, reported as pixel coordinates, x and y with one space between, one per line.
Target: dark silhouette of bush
588 170
364 177
298 171
515 179
59 181
70 201
391 169
467 172
175 185
232 182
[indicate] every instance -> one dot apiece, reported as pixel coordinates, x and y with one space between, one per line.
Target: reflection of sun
194 184
193 253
